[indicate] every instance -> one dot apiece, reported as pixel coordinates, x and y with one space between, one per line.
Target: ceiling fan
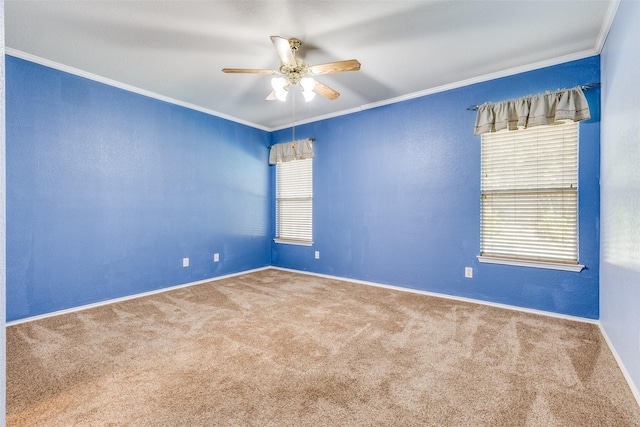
294 70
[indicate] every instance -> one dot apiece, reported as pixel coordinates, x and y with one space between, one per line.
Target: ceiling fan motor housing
295 73
295 44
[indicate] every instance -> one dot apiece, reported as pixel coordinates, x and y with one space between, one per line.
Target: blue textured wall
397 198
3 198
108 190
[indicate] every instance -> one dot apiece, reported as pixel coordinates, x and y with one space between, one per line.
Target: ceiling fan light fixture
294 70
278 83
308 95
307 83
281 94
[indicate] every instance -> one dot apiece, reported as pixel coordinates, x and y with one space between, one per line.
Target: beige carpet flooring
275 348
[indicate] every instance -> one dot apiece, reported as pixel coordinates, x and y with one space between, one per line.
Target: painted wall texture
3 259
107 192
620 191
397 198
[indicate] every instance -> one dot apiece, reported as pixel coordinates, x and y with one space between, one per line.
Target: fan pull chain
293 119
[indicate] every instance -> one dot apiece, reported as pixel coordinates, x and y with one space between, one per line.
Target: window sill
294 242
535 264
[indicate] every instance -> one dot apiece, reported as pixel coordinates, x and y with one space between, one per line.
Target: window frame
514 258
299 193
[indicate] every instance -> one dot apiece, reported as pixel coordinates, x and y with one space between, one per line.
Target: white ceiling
174 50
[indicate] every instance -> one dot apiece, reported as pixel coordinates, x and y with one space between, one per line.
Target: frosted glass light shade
308 84
281 94
278 83
308 95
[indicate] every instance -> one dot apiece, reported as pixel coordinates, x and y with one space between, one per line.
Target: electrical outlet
185 262
468 272
216 257
317 254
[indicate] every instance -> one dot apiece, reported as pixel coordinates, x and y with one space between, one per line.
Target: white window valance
288 151
543 109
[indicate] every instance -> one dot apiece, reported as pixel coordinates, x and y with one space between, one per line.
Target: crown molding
100 79
407 97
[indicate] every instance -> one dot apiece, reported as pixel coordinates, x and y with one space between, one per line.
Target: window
294 202
529 208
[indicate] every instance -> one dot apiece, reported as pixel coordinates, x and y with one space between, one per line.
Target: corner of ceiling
606 25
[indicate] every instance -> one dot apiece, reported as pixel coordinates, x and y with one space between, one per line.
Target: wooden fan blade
335 67
284 50
325 91
247 71
271 96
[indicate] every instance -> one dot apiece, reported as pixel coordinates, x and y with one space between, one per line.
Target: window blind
294 201
529 184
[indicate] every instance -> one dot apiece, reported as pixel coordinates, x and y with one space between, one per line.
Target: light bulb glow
308 95
308 84
281 94
278 83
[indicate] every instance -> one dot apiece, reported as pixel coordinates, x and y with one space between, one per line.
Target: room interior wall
620 190
3 229
108 191
397 198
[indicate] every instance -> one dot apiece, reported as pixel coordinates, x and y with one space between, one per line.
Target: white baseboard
634 389
128 297
446 296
